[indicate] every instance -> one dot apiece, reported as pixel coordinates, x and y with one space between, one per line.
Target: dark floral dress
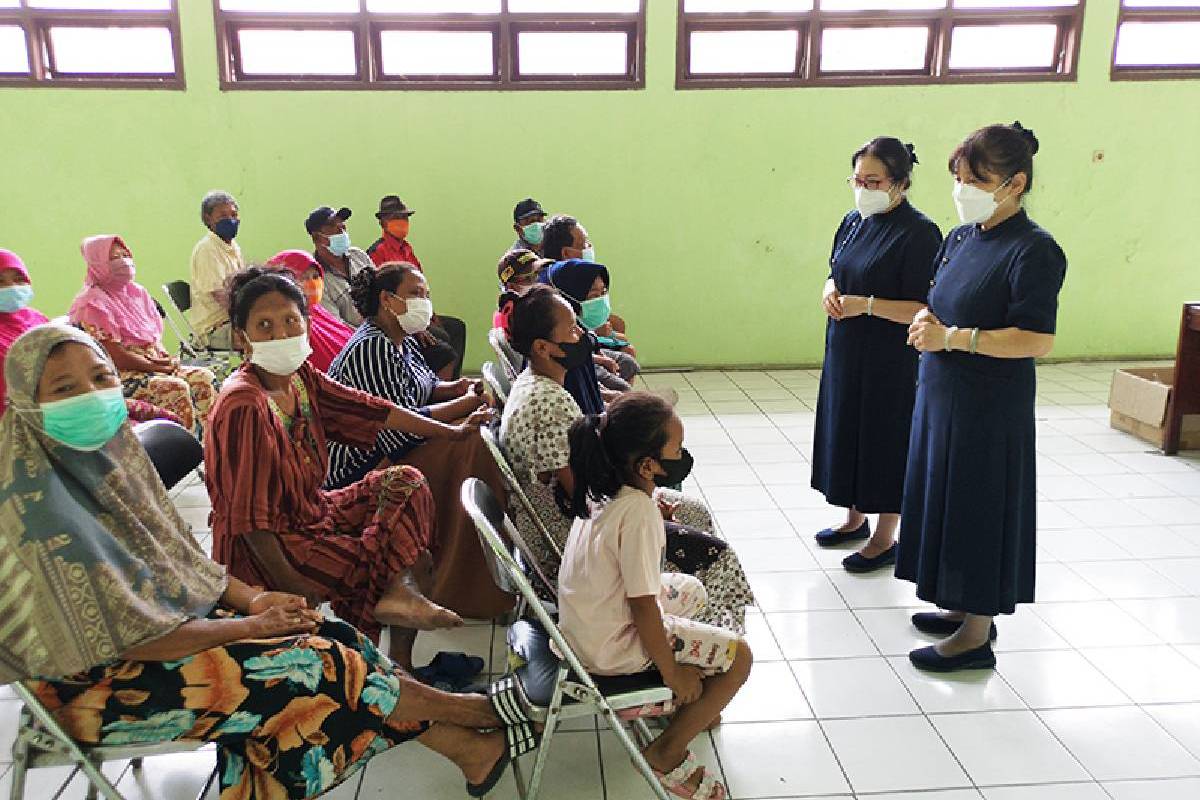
291 717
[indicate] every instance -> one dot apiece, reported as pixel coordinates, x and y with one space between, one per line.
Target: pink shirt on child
616 555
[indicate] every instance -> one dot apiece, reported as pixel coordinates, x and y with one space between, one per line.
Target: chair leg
136 763
635 754
19 768
642 732
98 782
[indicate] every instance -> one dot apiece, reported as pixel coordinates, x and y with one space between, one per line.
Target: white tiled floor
1097 691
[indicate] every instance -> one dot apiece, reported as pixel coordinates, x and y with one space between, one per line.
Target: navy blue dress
969 523
870 374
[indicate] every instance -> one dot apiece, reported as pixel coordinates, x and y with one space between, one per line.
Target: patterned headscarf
94 558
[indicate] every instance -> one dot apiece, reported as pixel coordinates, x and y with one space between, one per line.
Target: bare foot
412 610
873 549
653 759
478 764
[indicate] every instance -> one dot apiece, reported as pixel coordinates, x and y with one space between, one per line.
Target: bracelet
974 340
953 329
871 306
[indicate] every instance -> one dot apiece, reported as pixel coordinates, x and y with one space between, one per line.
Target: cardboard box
1138 401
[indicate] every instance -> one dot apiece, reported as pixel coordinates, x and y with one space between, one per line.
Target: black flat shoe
829 537
858 563
937 625
928 659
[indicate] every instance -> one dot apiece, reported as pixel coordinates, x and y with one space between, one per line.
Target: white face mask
280 356
418 315
871 201
588 254
974 204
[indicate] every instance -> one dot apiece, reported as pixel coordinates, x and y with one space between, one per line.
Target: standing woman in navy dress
883 255
969 518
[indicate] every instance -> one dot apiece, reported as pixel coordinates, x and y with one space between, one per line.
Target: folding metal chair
515 490
511 361
196 352
496 380
552 689
41 742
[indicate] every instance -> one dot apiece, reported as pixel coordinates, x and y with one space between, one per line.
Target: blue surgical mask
339 243
532 232
85 421
595 312
227 228
588 254
15 297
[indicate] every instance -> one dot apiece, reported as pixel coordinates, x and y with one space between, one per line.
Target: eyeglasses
869 183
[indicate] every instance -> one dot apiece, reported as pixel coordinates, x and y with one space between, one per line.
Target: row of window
507 44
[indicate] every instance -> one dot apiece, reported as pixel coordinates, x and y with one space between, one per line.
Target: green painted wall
714 209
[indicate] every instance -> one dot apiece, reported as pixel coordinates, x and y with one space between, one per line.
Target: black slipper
493 777
831 537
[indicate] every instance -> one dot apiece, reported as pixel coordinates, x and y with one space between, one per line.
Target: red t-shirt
389 248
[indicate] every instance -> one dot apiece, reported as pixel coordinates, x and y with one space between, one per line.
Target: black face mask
677 469
575 354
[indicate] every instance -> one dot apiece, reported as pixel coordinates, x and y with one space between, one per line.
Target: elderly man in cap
341 260
528 221
444 342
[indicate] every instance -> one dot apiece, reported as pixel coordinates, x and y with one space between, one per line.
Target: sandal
508 701
676 780
482 788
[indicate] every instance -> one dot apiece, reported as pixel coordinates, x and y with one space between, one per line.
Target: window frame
1143 72
504 25
940 22
37 22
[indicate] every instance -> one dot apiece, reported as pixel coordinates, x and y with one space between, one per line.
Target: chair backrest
489 520
514 488
497 381
180 293
174 451
510 360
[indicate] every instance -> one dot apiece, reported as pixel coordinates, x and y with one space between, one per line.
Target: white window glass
755 52
747 5
1161 4
139 51
437 52
297 52
572 53
1150 44
434 6
873 49
575 6
292 6
1001 46
100 5
1015 3
881 5
13 55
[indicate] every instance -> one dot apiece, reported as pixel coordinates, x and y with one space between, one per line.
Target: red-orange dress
264 473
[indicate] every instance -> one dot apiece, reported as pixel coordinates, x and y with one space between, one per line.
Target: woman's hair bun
1028 135
912 152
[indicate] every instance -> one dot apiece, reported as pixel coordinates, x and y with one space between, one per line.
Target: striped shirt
371 362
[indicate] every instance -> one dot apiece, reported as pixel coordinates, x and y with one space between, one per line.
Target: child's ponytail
595 476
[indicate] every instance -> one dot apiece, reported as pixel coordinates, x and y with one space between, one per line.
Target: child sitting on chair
619 611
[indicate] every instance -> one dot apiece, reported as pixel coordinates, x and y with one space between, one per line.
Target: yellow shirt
213 261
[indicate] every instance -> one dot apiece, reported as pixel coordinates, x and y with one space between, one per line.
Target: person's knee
743 660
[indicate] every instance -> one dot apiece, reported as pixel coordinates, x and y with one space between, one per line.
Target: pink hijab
110 301
14 323
326 333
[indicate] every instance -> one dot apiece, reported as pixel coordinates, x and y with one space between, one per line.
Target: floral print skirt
291 717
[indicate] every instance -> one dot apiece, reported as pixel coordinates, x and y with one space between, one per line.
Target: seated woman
384 359
123 317
533 435
620 612
365 548
155 642
16 315
587 283
327 334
